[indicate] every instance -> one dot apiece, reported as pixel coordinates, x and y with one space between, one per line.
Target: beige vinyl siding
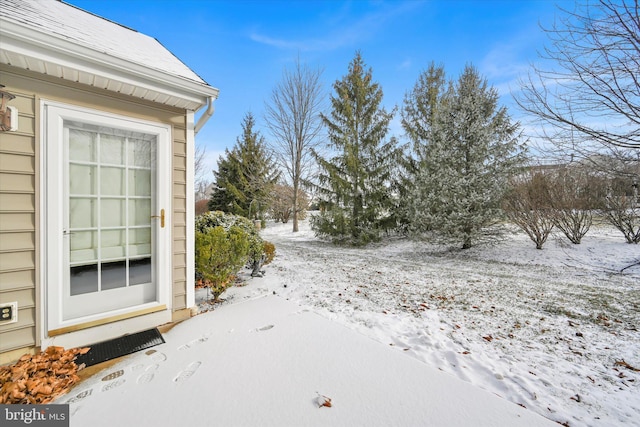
14 183
179 219
12 222
17 224
19 177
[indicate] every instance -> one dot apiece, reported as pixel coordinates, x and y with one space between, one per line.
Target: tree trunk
295 206
467 240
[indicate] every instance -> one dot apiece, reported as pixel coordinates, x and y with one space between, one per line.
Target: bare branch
593 88
199 172
293 117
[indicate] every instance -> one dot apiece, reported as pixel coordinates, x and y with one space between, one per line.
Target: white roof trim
23 47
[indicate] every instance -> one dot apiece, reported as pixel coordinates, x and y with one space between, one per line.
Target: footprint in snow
188 372
113 375
148 374
145 378
156 356
80 396
264 328
114 384
192 343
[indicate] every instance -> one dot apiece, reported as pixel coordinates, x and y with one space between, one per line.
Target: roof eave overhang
25 48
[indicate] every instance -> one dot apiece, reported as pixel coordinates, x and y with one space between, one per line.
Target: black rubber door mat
107 350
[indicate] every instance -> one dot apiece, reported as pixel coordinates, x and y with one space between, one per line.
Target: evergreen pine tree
420 106
224 196
473 150
418 113
245 175
356 183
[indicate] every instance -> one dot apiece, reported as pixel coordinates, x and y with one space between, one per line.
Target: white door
107 225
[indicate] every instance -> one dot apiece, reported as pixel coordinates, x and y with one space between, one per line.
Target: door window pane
82 179
140 271
82 145
111 149
112 181
82 212
140 211
140 241
114 275
84 279
113 244
140 182
84 246
112 212
141 153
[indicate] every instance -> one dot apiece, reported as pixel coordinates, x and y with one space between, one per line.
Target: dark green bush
210 220
225 243
219 255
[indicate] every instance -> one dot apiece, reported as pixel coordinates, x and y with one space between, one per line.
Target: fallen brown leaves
322 400
621 362
40 378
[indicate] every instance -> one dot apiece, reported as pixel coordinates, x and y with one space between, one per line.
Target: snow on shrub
219 255
224 243
214 219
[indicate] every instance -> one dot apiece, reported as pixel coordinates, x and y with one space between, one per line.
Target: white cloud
406 64
301 45
342 32
504 65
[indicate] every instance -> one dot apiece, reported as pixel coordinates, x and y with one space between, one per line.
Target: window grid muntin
127 227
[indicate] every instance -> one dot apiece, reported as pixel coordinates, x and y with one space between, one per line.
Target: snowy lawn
555 331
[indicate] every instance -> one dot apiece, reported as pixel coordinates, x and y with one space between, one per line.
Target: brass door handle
161 216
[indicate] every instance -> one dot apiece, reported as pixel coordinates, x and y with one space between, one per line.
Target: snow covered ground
555 330
266 361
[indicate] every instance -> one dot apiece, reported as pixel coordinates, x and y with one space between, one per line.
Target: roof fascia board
25 41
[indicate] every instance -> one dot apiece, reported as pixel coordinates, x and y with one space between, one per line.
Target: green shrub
219 255
210 220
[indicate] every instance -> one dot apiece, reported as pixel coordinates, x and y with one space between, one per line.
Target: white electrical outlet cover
14 118
14 312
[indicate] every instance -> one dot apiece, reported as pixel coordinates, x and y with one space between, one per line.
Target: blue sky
242 47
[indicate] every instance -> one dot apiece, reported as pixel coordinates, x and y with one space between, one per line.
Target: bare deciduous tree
293 117
624 213
622 208
590 91
281 207
199 172
572 201
528 205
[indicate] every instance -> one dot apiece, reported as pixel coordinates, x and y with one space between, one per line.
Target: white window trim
51 216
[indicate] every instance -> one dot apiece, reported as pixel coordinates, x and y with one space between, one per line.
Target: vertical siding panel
179 225
17 222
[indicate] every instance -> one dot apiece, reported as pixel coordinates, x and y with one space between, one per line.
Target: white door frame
52 207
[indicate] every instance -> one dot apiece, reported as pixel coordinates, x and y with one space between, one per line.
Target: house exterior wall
19 194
